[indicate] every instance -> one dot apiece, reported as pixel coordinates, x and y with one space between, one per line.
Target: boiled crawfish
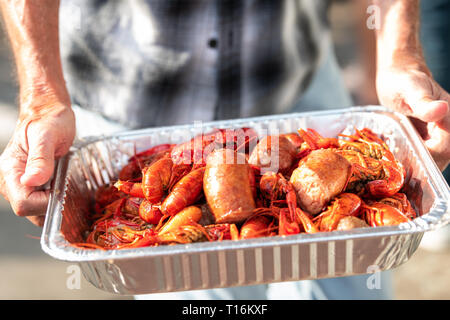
217 187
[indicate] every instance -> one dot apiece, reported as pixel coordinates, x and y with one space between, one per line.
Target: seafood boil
230 184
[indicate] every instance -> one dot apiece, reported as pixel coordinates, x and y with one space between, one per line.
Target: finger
442 163
444 123
24 200
40 161
37 221
427 109
438 145
29 202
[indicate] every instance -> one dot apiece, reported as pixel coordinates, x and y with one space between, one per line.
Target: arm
32 27
366 90
46 126
405 83
399 31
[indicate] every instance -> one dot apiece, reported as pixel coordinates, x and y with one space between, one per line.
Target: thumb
427 109
438 145
40 161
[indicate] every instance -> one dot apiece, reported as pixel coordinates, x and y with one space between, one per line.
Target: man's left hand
408 87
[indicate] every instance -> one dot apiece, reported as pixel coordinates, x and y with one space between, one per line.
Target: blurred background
26 272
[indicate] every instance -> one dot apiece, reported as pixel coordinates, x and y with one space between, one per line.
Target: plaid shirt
159 62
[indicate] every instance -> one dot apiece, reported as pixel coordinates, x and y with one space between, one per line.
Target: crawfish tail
184 234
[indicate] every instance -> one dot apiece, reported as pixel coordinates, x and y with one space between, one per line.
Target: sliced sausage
227 188
274 153
320 176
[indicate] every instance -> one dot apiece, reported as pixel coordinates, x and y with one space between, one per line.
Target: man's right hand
46 126
27 162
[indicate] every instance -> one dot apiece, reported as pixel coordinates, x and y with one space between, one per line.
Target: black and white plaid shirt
159 62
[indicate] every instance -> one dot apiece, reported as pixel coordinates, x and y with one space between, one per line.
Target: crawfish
185 192
385 178
367 143
127 208
161 176
118 233
241 139
188 215
106 232
401 202
133 189
302 222
156 180
275 187
256 226
294 138
364 169
133 169
150 212
286 224
148 237
222 231
185 234
394 178
314 141
344 205
382 214
198 148
182 227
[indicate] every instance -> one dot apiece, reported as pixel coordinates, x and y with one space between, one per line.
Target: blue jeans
326 91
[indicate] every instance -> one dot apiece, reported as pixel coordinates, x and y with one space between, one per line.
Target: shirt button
212 43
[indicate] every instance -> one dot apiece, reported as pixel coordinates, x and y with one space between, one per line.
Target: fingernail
434 111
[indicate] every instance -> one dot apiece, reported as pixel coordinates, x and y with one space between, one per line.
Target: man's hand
46 126
411 90
404 82
27 163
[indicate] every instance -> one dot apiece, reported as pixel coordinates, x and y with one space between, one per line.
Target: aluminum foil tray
97 160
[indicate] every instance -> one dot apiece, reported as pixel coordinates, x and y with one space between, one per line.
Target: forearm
404 81
398 39
32 27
